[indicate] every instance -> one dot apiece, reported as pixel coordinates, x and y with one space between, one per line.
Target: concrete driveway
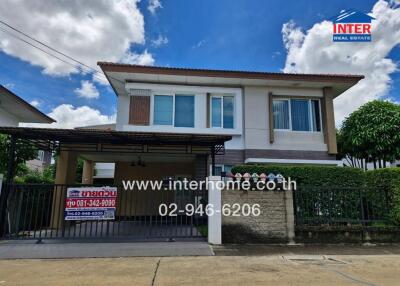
211 270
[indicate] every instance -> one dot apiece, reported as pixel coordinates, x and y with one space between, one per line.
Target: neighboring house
272 117
13 111
42 161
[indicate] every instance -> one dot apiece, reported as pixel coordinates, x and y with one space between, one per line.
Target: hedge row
315 176
387 181
382 186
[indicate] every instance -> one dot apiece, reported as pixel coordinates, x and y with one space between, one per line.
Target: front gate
36 211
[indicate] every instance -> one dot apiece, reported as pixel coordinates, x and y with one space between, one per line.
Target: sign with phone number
90 203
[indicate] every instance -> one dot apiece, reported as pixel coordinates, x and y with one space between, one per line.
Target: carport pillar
88 172
215 220
65 174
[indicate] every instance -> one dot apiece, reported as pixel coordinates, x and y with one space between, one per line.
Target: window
176 110
224 168
218 170
300 115
281 114
184 111
163 109
297 114
222 111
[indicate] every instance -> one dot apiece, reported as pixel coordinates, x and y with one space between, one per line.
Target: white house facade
272 117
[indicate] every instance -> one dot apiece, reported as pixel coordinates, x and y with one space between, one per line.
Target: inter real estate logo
352 26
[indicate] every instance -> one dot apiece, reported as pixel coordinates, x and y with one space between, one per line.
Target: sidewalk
60 250
213 270
310 249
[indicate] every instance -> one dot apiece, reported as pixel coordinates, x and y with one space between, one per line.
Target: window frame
309 103
221 96
174 95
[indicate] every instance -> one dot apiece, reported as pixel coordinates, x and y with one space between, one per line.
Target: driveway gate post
214 220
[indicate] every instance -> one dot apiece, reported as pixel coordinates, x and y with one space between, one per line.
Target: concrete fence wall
274 224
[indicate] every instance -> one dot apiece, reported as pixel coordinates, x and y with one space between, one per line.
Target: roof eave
37 112
113 67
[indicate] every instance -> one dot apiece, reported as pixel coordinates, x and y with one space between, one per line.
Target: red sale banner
91 203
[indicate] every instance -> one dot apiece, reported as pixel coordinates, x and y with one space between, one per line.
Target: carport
32 211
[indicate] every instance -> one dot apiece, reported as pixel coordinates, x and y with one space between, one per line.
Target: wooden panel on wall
139 110
271 118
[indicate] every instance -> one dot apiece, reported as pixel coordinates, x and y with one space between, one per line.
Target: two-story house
272 117
188 123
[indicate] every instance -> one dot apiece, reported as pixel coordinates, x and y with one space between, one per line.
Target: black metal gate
36 211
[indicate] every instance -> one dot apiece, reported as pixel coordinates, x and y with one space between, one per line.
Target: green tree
37 177
23 152
372 133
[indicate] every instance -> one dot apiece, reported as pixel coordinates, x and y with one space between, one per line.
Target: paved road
211 270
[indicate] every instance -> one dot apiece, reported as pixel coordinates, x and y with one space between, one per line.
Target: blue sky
223 34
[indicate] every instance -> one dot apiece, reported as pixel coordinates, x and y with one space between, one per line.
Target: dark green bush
340 193
36 177
316 176
385 183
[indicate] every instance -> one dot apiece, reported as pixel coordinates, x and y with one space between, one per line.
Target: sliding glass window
297 114
163 109
184 111
222 111
281 114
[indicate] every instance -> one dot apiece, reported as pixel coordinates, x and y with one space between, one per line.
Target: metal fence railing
36 211
316 206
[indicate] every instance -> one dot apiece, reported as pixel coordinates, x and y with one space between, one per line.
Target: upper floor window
176 110
222 109
297 114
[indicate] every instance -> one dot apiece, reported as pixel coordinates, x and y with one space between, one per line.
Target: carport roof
114 137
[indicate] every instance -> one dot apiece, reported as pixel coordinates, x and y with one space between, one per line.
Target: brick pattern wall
269 226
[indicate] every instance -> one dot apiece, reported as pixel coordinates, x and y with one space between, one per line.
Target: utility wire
47 46
94 71
46 52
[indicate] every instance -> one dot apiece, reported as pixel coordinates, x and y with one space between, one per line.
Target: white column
215 221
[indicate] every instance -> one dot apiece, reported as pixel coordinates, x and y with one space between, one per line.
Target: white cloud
68 116
153 6
34 103
314 52
87 90
9 85
199 44
89 31
161 40
144 59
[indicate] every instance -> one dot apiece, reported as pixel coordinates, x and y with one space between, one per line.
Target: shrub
36 177
386 182
315 176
